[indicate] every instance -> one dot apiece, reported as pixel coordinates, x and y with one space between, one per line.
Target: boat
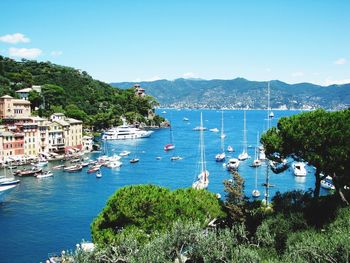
125 132
244 155
185 119
29 172
114 164
271 115
5 189
214 130
230 148
44 174
158 158
199 128
85 164
5 180
59 167
171 145
299 169
327 183
257 161
278 167
202 180
73 168
93 169
41 163
124 153
175 158
134 160
220 157
163 112
233 164
98 174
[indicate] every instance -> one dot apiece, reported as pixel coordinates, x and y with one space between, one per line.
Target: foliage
321 138
64 86
143 209
235 200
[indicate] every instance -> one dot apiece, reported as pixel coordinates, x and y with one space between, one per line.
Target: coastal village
25 137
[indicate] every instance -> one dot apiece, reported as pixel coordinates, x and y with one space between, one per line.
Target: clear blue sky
293 41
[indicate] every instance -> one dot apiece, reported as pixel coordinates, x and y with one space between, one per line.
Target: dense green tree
53 95
73 111
321 138
147 209
235 199
35 99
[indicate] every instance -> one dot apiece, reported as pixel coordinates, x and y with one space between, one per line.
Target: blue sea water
53 214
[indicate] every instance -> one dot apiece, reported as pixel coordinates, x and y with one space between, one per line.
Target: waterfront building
12 144
88 142
31 139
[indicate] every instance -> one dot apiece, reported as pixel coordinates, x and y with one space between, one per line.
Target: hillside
73 92
242 93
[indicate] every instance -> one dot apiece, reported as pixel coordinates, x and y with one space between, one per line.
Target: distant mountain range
242 93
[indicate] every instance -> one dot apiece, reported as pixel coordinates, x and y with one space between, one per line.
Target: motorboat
220 157
125 132
185 119
93 169
198 128
29 172
98 174
299 169
233 164
256 163
59 167
214 130
327 183
5 189
230 148
124 153
44 174
73 168
169 147
278 167
255 193
114 164
134 160
175 158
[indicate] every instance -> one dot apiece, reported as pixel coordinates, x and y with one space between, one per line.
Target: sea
49 215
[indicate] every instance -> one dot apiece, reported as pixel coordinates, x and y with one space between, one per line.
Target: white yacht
125 132
299 169
233 164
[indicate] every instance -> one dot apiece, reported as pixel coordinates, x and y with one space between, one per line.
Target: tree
73 111
235 199
35 99
53 95
321 138
144 210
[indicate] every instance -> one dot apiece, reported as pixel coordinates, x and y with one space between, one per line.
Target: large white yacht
299 169
125 132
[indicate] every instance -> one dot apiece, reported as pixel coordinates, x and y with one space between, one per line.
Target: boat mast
267 190
202 151
222 131
244 134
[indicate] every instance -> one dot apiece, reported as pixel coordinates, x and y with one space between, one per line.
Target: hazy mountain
242 93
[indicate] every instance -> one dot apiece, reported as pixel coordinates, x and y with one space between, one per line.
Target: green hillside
73 92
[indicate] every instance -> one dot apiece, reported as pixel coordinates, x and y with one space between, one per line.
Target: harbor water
41 216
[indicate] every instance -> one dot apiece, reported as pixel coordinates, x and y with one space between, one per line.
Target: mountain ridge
243 93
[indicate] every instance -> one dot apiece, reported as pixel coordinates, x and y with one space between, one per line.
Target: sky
143 40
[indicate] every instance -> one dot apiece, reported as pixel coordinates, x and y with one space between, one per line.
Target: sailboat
202 180
257 161
171 145
135 159
220 157
244 155
256 192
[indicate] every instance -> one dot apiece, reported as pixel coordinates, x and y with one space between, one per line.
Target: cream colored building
31 139
13 108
